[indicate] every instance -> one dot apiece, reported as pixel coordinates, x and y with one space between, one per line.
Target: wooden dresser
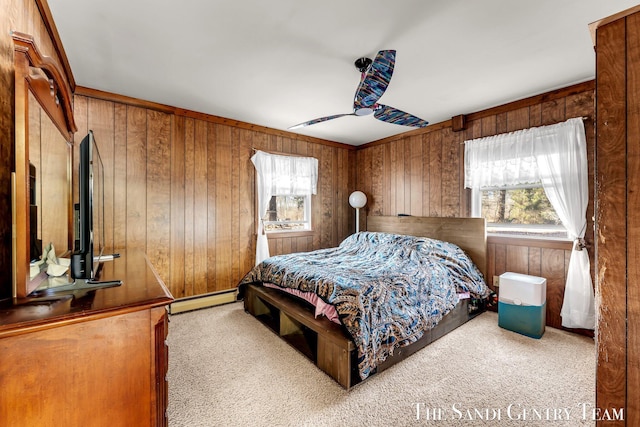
92 358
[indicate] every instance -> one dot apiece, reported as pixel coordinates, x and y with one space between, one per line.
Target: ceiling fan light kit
375 77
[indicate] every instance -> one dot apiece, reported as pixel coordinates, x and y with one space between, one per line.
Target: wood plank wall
617 219
422 173
180 186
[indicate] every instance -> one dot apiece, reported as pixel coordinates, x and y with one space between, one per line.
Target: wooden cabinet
92 358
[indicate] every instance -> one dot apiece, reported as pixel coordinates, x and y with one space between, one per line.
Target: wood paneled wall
180 186
618 219
422 173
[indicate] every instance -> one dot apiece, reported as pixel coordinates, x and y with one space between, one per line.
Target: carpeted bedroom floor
227 369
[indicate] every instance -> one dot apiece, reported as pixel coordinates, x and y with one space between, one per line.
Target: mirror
49 197
42 199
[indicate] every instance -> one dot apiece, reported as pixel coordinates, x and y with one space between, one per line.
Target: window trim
293 233
531 241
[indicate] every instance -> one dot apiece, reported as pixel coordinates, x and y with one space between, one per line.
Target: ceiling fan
375 77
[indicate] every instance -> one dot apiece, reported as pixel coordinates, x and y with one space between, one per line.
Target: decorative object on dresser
390 265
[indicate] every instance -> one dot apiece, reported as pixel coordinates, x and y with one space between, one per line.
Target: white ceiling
280 62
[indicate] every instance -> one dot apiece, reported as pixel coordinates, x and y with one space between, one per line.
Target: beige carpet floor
227 369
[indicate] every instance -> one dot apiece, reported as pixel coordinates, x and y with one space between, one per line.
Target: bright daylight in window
288 213
520 211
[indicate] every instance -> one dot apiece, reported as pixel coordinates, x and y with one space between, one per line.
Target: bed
393 289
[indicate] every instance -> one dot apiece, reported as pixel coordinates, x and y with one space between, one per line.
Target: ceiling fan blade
375 80
398 117
320 120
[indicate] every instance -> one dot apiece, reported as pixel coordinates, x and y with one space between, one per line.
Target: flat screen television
89 215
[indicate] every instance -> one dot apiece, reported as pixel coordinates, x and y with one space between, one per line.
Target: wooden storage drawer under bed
321 340
325 342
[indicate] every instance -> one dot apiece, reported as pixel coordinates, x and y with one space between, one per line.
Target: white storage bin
522 304
529 290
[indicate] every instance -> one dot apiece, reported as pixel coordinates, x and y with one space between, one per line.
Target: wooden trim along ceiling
527 102
181 112
597 24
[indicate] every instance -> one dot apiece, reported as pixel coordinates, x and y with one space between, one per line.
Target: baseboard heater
182 305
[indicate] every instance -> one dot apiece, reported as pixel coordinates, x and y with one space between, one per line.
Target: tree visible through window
520 211
288 213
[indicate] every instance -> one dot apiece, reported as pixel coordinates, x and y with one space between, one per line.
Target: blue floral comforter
388 289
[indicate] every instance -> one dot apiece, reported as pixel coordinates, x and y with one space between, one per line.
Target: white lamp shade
357 199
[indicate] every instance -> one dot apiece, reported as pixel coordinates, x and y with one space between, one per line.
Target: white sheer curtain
496 161
556 157
280 175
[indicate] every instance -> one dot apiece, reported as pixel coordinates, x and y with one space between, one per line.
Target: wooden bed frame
325 342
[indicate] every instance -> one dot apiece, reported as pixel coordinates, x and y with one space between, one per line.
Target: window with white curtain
503 174
554 156
284 185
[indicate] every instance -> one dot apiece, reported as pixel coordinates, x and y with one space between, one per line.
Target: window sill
538 242
283 234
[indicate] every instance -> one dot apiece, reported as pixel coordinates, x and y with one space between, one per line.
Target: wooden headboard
468 233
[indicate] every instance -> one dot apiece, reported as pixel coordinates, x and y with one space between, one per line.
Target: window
284 184
518 211
288 213
556 157
530 182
